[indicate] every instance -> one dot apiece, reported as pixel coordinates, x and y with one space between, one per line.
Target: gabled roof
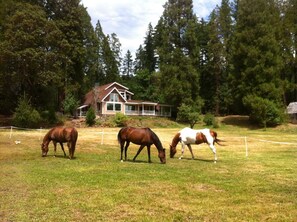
292 108
103 91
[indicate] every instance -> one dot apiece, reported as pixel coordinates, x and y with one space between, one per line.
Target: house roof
103 91
292 108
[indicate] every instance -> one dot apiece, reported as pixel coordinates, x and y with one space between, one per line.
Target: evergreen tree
30 56
256 54
178 50
127 68
289 49
215 88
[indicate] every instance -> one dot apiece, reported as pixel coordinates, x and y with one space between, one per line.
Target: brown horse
189 136
60 135
143 137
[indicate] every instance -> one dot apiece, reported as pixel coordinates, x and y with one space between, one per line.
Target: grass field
96 186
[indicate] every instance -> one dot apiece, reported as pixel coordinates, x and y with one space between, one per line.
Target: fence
108 136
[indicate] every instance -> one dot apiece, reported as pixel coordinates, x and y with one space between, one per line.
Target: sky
129 19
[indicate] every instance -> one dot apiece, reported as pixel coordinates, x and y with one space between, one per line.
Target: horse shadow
61 156
197 159
137 161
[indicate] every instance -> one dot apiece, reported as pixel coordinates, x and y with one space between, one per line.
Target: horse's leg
70 150
55 148
139 150
126 148
182 151
122 143
149 153
62 147
213 149
190 148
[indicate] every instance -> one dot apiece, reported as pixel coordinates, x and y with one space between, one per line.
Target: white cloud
129 19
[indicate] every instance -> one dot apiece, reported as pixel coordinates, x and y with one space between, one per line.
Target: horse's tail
119 135
216 140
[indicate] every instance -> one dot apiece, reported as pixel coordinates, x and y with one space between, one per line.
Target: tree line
241 60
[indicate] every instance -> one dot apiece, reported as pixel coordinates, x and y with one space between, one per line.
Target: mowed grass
96 186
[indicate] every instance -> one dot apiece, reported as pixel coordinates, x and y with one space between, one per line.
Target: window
114 106
114 97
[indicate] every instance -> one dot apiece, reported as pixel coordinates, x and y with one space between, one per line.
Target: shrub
210 120
90 117
70 104
25 115
263 111
120 119
187 114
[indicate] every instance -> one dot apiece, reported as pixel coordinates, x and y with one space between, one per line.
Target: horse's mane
175 140
156 140
47 135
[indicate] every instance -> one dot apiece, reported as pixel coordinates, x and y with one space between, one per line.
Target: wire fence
108 136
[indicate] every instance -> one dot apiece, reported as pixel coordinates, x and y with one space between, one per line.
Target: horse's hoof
122 161
180 158
215 161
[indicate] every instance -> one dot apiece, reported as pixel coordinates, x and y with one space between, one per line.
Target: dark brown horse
189 136
60 135
143 137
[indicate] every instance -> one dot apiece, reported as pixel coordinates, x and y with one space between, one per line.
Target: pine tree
256 54
289 48
178 51
127 67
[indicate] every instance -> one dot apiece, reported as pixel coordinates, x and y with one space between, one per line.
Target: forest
241 60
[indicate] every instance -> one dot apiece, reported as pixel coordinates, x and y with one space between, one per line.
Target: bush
210 120
120 119
70 104
263 111
90 117
25 115
187 114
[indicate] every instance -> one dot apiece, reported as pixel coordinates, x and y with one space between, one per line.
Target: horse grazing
143 137
189 136
60 135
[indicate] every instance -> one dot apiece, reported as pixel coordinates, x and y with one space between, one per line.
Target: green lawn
96 186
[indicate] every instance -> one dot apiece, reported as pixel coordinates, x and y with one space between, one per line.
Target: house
113 97
292 111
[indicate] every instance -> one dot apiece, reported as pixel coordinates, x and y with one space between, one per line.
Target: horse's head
44 149
172 151
162 156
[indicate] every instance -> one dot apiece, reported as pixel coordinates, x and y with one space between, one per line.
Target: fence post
246 147
10 132
102 136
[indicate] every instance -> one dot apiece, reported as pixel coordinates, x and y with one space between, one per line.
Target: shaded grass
96 186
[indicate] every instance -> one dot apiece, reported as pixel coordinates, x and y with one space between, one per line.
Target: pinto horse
60 135
189 136
143 137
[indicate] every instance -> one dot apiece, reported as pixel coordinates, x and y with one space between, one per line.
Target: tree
289 49
29 59
178 51
187 114
256 55
127 68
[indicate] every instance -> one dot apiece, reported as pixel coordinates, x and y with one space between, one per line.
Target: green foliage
187 114
25 115
263 111
120 119
90 117
208 119
70 104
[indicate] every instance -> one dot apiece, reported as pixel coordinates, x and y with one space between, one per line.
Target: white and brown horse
189 136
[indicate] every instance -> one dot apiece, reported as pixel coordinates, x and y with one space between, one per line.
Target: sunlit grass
96 186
